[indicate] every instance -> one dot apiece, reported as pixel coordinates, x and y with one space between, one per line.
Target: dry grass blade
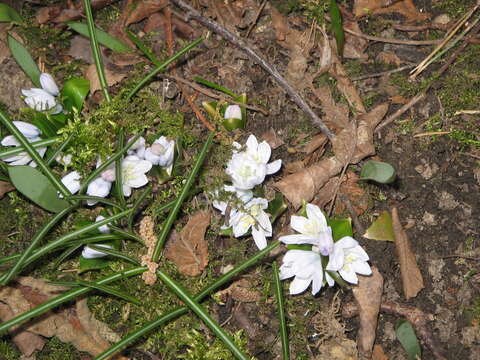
412 279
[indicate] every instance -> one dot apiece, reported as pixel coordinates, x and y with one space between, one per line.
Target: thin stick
197 112
257 16
393 41
211 94
400 111
297 98
388 72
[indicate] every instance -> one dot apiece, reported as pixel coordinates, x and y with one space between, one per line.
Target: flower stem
281 312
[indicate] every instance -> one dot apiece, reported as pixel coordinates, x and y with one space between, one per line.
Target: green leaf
103 37
93 264
378 171
24 59
74 92
214 86
7 14
337 26
340 228
381 228
110 290
408 339
305 247
35 186
47 124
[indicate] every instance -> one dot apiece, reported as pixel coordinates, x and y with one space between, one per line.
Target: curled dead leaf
189 250
5 187
272 138
241 290
368 295
113 77
412 280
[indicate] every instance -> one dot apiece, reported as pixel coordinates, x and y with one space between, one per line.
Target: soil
437 193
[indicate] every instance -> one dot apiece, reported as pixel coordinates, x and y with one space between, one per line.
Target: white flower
252 216
72 182
104 229
349 259
48 84
133 173
31 132
243 195
98 187
307 268
233 112
314 230
248 168
109 173
64 159
89 253
161 153
43 99
138 148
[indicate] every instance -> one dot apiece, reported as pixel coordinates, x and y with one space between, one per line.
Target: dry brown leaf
346 86
5 187
189 250
337 349
142 10
357 196
240 290
294 167
325 194
113 77
314 144
412 279
80 49
368 295
180 28
378 353
74 324
355 46
388 57
307 182
272 139
68 12
405 7
336 115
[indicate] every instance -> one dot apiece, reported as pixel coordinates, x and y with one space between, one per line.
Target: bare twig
211 94
368 76
415 28
229 36
356 221
415 316
400 111
257 16
393 41
197 112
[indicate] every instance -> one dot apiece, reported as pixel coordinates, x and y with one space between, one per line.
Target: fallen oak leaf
368 295
5 187
404 7
142 10
189 250
113 77
378 353
412 280
60 14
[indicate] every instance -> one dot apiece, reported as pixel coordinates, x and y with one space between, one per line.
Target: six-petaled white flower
32 133
98 187
248 168
306 267
161 153
43 99
133 173
313 230
253 217
349 259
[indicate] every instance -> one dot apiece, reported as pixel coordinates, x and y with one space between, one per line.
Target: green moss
57 350
454 8
8 351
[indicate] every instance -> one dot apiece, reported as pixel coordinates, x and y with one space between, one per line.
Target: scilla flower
32 133
138 148
349 259
252 217
161 153
133 173
313 230
72 182
88 252
248 168
101 185
306 267
43 99
233 112
243 195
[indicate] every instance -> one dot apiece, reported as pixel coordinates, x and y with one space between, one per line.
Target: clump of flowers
325 260
247 168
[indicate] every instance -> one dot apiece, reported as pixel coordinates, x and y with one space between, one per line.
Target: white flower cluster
32 133
135 165
344 256
247 168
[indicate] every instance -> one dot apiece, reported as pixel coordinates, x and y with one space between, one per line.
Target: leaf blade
8 14
406 335
24 59
381 228
74 92
103 37
378 171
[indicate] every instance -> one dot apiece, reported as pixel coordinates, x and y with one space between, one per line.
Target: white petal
48 84
336 259
28 130
152 158
143 166
99 187
274 166
348 276
127 190
23 160
233 112
264 152
252 144
346 243
259 238
299 239
89 253
298 285
286 272
314 213
137 181
72 181
362 268
329 279
104 229
317 282
10 140
300 224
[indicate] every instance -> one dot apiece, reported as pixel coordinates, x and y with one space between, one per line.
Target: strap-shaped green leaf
24 59
103 37
8 14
